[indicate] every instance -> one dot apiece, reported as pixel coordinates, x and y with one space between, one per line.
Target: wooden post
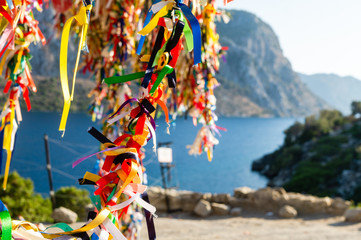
48 167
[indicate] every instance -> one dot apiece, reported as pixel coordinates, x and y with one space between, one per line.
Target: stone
189 200
246 203
242 192
220 209
203 208
65 215
235 211
339 206
287 212
207 196
221 197
157 198
175 201
353 215
269 199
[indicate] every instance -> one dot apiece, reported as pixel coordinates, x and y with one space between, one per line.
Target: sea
245 140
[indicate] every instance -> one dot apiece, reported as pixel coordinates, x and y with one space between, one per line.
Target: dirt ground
253 226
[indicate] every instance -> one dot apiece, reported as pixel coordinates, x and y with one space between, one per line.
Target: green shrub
319 177
74 199
356 197
310 177
356 131
329 145
20 199
287 157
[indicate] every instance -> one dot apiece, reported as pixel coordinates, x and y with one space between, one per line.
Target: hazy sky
317 36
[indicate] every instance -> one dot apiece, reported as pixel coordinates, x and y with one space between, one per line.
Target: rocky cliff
321 156
257 70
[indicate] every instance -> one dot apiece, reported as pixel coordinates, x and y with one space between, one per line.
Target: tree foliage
356 107
21 200
73 198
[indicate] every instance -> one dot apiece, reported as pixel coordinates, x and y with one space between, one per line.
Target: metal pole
48 167
165 187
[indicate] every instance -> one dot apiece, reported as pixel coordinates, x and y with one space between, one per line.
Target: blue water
246 140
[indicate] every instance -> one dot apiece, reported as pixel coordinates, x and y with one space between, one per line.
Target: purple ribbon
86 157
123 105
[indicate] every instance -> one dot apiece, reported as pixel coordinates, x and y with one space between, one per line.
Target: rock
269 199
175 201
339 206
246 203
207 196
235 211
221 197
189 200
287 212
236 202
220 209
65 215
307 204
203 208
353 215
157 198
242 192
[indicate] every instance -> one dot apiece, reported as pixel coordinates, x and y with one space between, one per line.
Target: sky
317 36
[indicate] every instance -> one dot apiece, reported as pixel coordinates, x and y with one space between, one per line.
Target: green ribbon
6 225
159 54
124 78
96 201
111 195
63 226
187 31
166 70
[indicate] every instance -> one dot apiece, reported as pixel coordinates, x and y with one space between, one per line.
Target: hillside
337 91
257 70
256 80
320 157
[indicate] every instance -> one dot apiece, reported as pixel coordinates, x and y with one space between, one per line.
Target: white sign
165 155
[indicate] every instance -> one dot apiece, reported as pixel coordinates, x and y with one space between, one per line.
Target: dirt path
254 227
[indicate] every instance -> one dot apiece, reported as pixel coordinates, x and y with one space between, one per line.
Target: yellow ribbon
18 60
3 60
153 23
82 19
131 176
99 219
8 134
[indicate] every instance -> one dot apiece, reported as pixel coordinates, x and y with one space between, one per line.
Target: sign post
165 158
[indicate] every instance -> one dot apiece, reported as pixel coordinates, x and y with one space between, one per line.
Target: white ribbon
158 6
29 234
120 116
124 204
113 230
151 129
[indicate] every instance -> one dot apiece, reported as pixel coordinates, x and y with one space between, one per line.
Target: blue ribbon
142 38
10 4
3 207
146 21
196 29
94 237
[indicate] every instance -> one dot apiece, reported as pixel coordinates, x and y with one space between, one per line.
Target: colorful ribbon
83 20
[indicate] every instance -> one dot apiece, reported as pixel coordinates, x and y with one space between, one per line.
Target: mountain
257 70
256 79
337 91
